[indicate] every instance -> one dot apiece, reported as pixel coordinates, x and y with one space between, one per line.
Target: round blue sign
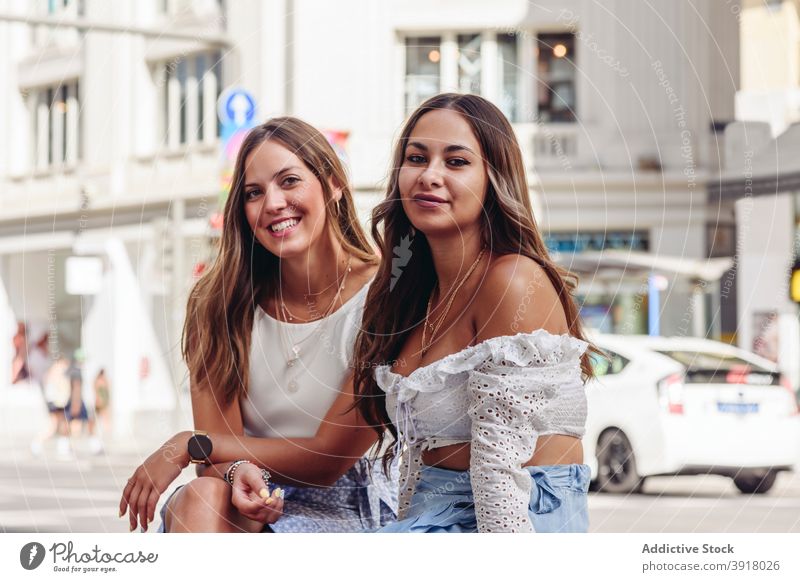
236 107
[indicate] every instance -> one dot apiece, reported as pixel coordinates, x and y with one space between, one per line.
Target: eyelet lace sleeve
512 392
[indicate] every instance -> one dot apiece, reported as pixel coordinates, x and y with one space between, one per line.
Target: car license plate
737 407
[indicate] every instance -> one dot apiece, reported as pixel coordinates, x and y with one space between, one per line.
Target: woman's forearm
216 470
300 461
297 461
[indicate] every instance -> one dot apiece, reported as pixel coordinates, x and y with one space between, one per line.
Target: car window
605 366
714 367
712 361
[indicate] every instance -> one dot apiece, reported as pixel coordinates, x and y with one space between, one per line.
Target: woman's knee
203 495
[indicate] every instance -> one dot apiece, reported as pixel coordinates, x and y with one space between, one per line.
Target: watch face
199 446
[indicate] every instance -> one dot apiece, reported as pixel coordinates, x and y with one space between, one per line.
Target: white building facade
762 179
113 146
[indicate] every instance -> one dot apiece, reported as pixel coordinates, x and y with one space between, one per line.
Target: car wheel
755 481
616 464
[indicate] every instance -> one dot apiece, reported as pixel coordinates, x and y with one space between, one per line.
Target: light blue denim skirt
443 502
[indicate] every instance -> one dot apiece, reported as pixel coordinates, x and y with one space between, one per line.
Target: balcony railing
550 146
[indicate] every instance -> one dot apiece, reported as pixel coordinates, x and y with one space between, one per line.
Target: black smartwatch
200 448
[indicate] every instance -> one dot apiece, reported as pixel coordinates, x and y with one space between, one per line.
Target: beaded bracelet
265 475
232 469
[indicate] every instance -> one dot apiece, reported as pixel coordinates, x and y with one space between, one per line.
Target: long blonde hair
220 310
396 304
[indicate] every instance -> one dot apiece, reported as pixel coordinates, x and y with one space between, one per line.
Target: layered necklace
433 326
291 346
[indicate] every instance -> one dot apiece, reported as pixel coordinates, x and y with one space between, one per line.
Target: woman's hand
251 496
151 479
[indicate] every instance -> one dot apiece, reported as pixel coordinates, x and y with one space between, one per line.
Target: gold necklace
438 322
289 316
293 354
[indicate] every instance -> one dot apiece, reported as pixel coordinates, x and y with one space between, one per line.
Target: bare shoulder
362 272
513 278
517 296
366 271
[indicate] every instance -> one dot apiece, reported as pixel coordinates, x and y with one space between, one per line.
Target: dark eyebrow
284 170
275 175
448 149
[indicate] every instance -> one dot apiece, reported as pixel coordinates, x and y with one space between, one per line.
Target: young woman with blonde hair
268 341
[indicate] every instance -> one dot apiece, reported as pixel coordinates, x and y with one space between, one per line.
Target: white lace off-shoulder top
499 395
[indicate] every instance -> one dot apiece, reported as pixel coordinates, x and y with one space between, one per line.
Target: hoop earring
334 207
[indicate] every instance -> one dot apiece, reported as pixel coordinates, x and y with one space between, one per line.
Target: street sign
237 113
236 108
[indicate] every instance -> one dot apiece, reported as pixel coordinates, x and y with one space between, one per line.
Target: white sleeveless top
289 400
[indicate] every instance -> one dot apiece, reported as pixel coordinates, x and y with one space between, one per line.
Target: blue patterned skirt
443 502
363 499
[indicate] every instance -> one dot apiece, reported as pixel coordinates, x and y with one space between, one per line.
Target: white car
687 406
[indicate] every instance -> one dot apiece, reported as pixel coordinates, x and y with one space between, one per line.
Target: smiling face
283 200
443 180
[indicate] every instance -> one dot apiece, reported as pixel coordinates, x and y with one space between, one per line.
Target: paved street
82 495
49 494
699 504
44 494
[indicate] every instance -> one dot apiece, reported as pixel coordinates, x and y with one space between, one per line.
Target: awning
640 263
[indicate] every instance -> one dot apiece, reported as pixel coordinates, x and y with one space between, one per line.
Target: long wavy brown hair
397 298
220 311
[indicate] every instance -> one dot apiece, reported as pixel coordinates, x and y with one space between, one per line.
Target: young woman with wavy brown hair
268 340
479 376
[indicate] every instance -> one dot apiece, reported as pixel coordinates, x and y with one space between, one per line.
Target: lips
283 223
283 226
428 200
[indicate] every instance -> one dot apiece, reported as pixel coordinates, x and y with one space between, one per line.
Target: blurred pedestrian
38 364
76 412
19 365
57 391
102 401
38 356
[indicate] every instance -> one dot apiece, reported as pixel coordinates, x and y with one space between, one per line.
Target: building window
54 6
43 35
423 69
190 7
191 87
469 63
578 242
60 7
529 77
555 66
55 125
507 71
